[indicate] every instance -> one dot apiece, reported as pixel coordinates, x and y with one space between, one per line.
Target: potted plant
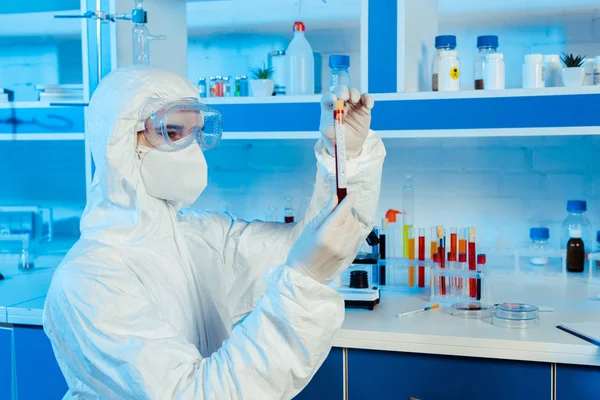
261 83
574 73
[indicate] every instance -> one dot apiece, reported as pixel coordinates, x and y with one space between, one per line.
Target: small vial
454 240
481 260
289 215
340 151
339 76
539 240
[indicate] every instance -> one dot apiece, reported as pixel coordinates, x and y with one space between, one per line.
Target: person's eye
173 135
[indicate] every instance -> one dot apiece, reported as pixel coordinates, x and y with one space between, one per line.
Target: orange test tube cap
391 215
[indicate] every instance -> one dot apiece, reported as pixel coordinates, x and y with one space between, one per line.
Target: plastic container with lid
577 218
487 44
494 72
552 70
588 68
533 71
339 75
442 43
575 250
516 316
449 71
539 241
300 64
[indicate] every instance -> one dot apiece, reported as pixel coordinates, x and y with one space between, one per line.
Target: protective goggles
172 125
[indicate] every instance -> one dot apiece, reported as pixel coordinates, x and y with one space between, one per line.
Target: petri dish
516 316
471 310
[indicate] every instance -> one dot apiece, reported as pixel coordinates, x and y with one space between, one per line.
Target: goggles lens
175 125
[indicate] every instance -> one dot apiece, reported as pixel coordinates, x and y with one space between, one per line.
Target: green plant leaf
261 73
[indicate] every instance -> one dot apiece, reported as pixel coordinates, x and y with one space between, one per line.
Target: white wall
503 186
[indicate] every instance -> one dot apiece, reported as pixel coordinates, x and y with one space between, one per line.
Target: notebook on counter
588 331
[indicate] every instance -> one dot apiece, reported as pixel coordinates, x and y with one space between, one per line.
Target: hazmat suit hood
119 210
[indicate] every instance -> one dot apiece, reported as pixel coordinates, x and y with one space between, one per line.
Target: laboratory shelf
40 25
517 112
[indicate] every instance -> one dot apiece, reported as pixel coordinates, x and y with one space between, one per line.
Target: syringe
340 151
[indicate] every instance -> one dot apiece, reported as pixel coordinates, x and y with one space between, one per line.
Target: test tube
340 151
442 256
453 241
454 280
462 240
411 257
382 251
288 218
481 260
438 279
472 263
462 264
421 273
433 242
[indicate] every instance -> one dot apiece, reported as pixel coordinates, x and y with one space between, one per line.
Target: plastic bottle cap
339 61
462 257
481 259
540 233
299 27
576 206
487 41
534 58
575 232
494 57
445 41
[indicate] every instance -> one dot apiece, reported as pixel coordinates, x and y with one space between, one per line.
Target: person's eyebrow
176 127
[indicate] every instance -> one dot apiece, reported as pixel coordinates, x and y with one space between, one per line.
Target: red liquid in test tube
472 263
421 272
340 151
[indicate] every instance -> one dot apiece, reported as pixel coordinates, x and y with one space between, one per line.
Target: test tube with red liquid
481 260
472 263
411 257
340 151
453 241
453 281
433 242
463 234
421 272
442 255
462 265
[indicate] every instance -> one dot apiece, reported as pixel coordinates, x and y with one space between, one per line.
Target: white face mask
179 176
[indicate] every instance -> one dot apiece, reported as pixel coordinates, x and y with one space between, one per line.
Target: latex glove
327 241
357 116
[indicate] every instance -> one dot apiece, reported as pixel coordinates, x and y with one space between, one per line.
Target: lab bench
376 355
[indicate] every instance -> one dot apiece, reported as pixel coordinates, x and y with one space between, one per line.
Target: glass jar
244 87
486 44
577 218
539 240
339 75
442 43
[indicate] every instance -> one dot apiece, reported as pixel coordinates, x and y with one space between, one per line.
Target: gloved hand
329 239
357 115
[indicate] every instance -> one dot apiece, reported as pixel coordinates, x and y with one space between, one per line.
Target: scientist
143 305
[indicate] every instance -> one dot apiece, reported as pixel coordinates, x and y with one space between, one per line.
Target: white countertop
22 296
438 332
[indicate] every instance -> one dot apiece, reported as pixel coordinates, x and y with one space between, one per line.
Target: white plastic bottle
494 72
449 72
300 64
533 71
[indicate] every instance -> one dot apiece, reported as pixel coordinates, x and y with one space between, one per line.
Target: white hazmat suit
143 305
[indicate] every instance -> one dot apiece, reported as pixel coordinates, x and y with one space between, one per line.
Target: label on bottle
454 73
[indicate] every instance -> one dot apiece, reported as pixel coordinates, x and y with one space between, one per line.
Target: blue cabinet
390 375
328 382
38 374
5 363
574 382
